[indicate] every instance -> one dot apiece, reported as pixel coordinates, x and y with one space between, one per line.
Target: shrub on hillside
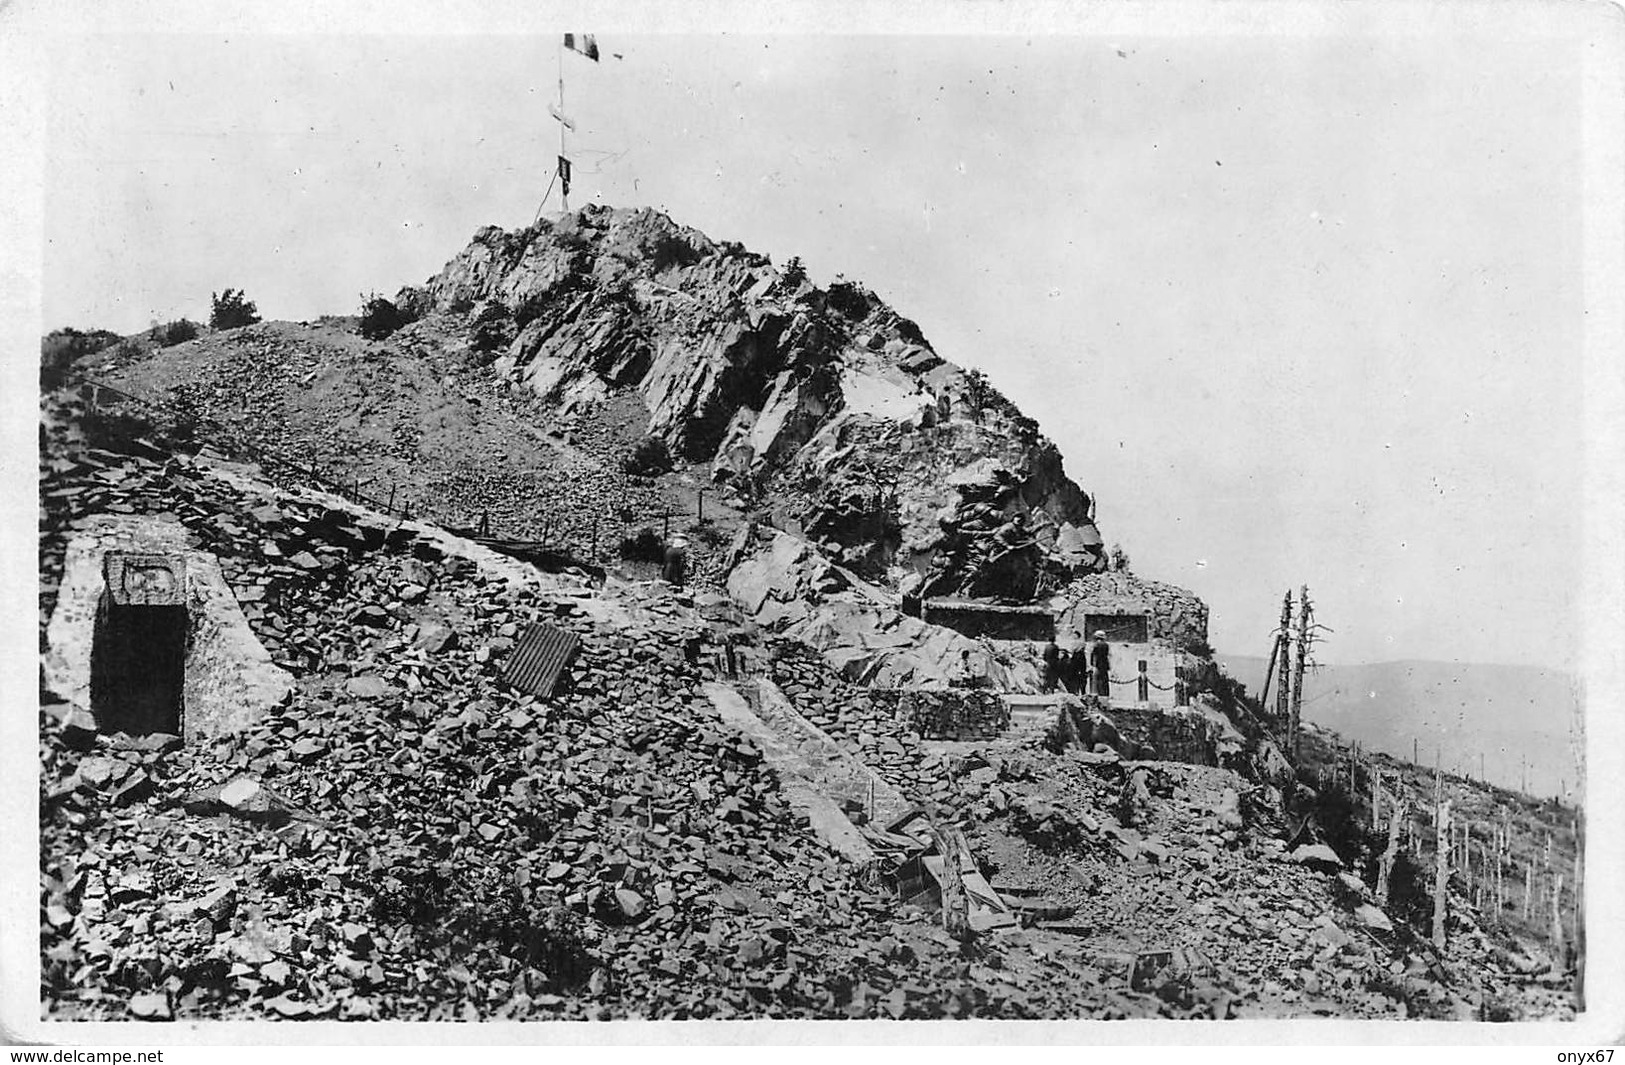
177 332
1410 893
976 391
709 533
646 546
910 332
795 272
380 318
414 302
648 457
493 328
231 310
848 300
668 250
1338 816
61 348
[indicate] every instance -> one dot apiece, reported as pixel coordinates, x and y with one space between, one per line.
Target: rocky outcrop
789 588
822 407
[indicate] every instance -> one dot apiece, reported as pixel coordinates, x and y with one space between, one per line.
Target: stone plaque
137 578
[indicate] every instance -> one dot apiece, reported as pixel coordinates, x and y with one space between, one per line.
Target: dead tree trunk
1441 872
1376 798
1283 695
1386 867
1579 911
1298 667
1557 922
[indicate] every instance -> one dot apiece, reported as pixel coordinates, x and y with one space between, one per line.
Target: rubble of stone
412 427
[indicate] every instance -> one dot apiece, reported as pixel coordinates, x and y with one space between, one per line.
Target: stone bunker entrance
148 637
138 646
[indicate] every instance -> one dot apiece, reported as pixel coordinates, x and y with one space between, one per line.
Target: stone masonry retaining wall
954 713
1172 613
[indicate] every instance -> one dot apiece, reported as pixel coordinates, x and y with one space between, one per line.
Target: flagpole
564 188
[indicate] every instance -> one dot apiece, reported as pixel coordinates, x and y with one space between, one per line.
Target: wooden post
700 518
593 557
1441 871
665 530
391 507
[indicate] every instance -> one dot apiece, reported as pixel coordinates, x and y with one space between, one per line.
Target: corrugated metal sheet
139 578
539 659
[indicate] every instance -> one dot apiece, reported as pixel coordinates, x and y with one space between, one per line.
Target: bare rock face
824 404
788 587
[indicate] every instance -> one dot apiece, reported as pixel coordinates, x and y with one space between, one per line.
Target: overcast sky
1298 308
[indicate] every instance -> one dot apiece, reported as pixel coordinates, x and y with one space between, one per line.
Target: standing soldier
1101 659
675 567
1052 666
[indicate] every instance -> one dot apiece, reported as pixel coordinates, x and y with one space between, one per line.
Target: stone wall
954 713
1172 614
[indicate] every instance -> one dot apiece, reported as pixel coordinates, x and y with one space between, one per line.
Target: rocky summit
640 630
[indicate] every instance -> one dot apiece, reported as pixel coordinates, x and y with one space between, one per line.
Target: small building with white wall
1148 635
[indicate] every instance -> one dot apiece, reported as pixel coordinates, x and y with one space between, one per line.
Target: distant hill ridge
1519 718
